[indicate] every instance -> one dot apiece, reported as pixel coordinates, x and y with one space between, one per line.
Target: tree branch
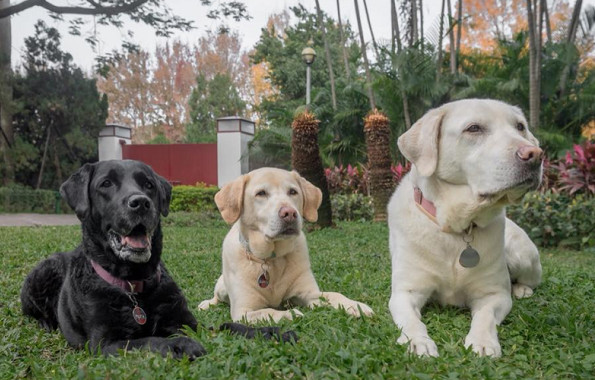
96 10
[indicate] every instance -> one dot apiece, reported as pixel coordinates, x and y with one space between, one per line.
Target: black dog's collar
128 286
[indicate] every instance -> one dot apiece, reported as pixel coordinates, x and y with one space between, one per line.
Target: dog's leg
220 295
267 314
522 260
405 307
178 347
339 301
488 312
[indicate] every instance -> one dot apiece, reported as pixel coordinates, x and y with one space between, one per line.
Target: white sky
260 10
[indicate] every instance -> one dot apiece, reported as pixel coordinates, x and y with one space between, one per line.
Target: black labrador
113 290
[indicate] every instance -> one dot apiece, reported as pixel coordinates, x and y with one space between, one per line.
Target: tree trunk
305 159
6 130
451 37
421 23
459 28
413 26
327 53
534 65
376 127
441 30
371 30
45 154
395 26
343 47
548 26
572 28
365 55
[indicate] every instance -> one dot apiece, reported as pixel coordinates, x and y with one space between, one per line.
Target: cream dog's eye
261 193
473 128
520 127
292 192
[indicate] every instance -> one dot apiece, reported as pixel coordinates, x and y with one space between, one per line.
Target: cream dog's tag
469 257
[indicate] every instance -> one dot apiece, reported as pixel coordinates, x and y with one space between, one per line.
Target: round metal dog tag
263 280
139 315
469 257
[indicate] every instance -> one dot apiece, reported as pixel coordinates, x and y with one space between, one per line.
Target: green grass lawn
551 335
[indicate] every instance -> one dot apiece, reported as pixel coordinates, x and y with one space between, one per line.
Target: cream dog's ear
420 143
312 198
230 199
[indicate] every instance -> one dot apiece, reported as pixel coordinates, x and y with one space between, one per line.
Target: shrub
355 179
354 206
553 219
198 198
18 198
576 173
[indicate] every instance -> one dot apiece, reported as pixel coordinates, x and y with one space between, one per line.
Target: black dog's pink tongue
138 241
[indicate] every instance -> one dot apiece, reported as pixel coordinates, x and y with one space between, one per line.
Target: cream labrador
449 238
265 254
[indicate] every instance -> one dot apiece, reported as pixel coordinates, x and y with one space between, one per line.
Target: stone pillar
233 135
110 141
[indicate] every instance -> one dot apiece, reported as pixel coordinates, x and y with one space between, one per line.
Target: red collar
128 286
424 205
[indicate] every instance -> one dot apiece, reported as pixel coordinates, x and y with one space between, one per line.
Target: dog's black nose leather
139 203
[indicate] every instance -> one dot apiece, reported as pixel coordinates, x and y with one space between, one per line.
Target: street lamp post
308 55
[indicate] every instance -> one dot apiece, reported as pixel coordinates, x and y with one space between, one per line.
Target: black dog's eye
261 193
473 128
106 183
149 185
292 192
520 127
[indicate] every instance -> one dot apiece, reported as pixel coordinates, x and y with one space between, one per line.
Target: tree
154 13
327 52
535 29
211 100
58 113
6 132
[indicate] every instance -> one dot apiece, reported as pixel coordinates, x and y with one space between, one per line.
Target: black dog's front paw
178 347
266 332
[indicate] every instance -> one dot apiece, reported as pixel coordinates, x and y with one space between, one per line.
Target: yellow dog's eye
261 193
292 192
520 127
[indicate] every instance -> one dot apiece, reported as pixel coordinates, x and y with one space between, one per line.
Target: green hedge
17 198
193 198
352 207
557 220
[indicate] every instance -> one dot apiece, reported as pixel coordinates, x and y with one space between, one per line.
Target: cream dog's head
484 144
271 201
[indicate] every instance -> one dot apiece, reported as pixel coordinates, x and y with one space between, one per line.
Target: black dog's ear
75 190
164 188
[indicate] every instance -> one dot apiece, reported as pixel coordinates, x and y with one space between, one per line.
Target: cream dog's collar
469 257
264 279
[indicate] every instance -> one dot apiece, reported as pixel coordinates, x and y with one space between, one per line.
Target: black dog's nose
139 203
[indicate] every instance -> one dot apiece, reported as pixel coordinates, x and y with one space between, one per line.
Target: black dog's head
119 204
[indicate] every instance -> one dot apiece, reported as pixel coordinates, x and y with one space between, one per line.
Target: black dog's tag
469 257
139 315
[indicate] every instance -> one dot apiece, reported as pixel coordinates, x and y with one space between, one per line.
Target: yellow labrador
265 254
449 238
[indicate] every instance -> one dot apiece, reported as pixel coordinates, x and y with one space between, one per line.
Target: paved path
38 220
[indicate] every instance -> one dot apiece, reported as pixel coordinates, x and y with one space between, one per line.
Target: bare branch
96 10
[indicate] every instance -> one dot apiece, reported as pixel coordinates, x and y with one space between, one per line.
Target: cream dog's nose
530 154
287 214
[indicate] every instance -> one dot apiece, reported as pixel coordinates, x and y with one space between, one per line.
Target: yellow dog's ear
420 143
312 198
230 199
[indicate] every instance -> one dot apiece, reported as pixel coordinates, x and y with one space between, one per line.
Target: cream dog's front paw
484 345
419 345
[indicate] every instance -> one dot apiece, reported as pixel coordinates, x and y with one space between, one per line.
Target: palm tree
305 159
379 160
6 132
534 62
343 47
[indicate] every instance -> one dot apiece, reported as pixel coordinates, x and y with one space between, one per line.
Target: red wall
181 164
